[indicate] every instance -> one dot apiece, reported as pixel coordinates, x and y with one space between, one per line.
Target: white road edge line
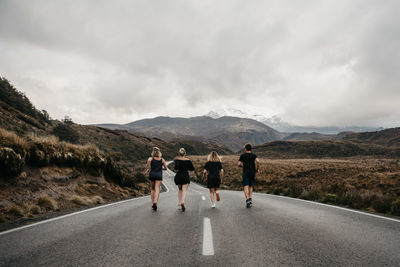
208 246
335 207
76 213
203 197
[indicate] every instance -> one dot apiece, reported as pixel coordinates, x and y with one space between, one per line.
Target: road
276 231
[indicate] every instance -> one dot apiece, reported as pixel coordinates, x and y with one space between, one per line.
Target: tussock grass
87 201
360 183
16 211
33 209
47 202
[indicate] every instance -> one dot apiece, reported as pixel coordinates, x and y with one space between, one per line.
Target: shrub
47 203
86 201
11 163
382 204
140 177
330 198
66 132
354 200
34 209
12 140
16 211
395 209
3 218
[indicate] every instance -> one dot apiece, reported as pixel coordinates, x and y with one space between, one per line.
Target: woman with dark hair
155 165
213 168
182 165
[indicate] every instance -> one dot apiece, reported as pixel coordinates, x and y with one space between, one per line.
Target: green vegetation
19 101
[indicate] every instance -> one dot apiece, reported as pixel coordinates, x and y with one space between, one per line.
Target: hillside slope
388 137
49 166
231 132
323 149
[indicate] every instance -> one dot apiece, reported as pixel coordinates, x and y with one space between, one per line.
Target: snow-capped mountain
232 112
278 124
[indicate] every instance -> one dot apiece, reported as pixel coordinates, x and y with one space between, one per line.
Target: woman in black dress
213 168
155 165
182 165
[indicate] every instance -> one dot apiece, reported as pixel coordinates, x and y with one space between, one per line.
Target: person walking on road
213 168
182 165
250 164
155 165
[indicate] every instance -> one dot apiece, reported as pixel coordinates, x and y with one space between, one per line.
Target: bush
382 204
86 201
395 209
11 163
66 132
47 203
16 211
140 177
34 209
330 198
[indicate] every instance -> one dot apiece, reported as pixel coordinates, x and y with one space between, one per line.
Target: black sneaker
154 207
251 201
183 207
248 205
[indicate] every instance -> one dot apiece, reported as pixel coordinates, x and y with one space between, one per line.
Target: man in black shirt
250 164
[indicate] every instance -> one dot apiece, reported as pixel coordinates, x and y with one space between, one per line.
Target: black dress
155 170
213 179
182 175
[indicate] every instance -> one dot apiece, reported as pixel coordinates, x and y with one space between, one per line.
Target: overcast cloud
309 62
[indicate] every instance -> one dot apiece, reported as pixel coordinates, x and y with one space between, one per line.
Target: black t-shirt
248 160
213 168
183 165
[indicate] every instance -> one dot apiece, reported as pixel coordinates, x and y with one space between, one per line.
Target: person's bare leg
184 192
152 187
246 192
157 191
250 191
180 194
212 195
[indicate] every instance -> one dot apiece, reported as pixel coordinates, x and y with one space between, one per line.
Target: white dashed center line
203 197
208 246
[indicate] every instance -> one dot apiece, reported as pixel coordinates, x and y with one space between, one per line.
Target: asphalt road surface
276 231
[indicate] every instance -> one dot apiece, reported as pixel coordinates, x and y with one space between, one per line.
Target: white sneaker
213 206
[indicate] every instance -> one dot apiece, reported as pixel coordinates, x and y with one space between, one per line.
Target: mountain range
278 124
232 132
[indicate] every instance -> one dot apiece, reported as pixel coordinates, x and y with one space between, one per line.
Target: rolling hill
232 132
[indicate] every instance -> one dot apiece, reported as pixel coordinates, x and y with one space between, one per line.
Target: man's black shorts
248 179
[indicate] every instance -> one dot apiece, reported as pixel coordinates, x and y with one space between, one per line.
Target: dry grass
47 202
87 201
16 211
32 209
362 183
48 139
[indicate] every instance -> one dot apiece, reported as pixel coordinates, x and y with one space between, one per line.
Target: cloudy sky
310 62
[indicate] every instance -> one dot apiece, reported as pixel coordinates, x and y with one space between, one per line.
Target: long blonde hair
156 152
214 157
182 152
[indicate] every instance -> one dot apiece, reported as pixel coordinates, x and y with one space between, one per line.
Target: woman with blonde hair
155 165
182 165
213 168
